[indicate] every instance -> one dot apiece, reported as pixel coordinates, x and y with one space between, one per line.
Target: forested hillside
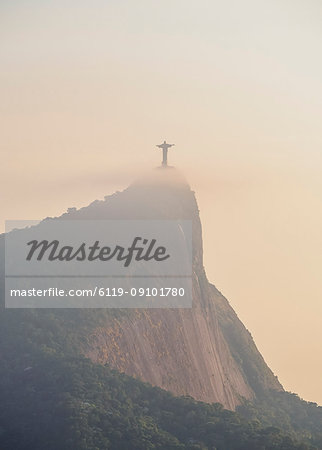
53 398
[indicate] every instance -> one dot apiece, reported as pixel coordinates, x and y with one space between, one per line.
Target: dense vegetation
72 404
53 398
287 412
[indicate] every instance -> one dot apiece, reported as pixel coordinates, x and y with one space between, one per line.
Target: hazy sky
88 88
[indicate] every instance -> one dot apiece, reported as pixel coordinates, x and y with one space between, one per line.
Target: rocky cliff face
204 352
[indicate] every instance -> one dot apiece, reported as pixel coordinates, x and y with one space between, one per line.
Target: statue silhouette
165 146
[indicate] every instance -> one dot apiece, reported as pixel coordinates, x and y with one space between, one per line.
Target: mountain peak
162 176
205 351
